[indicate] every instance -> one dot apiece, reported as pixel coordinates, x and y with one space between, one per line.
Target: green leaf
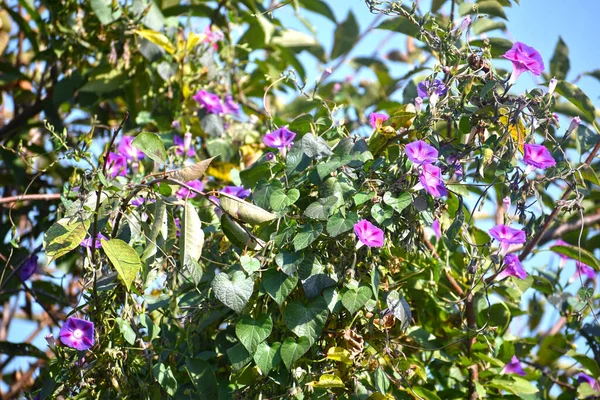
267 357
559 64
573 252
360 198
159 214
234 293
244 211
314 276
288 262
203 378
382 383
21 349
153 329
291 38
400 308
426 394
354 300
126 330
322 208
339 224
165 378
402 25
306 320
238 356
280 199
296 161
250 264
105 11
345 36
105 83
314 147
483 25
397 203
63 236
328 381
278 285
192 172
319 7
308 234
151 145
124 258
577 98
251 332
514 384
499 46
191 238
238 235
291 351
158 39
490 7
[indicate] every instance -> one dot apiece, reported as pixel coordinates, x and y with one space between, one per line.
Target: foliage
201 290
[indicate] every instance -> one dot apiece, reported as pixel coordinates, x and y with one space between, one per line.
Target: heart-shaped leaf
252 332
243 210
63 236
124 258
278 285
280 199
291 351
267 357
306 320
151 145
308 234
400 308
353 300
234 293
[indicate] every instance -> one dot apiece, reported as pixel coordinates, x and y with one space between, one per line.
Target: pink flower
418 104
524 58
514 367
237 191
230 106
368 234
28 268
507 236
583 269
463 25
184 192
175 124
512 267
212 37
538 156
117 165
431 180
575 122
420 152
88 242
179 144
581 378
126 149
209 101
377 119
506 203
77 334
280 139
437 229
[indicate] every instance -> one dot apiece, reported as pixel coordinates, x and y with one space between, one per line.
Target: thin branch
30 197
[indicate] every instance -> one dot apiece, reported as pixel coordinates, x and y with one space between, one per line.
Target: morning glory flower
418 104
209 101
537 156
420 152
230 106
28 268
179 144
575 122
437 229
237 191
432 90
552 85
51 341
507 236
514 367
524 58
117 165
88 242
212 37
512 267
368 234
581 378
126 149
506 203
377 119
184 192
279 139
583 269
77 334
431 180
463 25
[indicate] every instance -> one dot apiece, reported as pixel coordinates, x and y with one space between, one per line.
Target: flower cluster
434 90
213 105
430 176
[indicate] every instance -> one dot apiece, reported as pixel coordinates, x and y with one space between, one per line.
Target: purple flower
270 156
512 267
138 201
552 85
575 122
583 378
431 180
178 226
117 165
237 191
420 152
432 90
175 124
524 58
126 149
437 229
507 236
463 25
325 74
77 334
230 106
179 144
583 269
209 101
29 268
280 139
377 119
184 192
88 242
538 156
368 234
514 367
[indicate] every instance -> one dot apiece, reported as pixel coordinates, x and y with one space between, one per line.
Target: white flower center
78 333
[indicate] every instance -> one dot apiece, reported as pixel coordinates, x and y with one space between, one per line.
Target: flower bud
175 124
552 85
325 74
50 340
418 104
506 203
464 24
270 156
574 124
223 326
187 142
337 87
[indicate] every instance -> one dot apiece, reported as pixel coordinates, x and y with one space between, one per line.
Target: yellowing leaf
517 131
158 39
328 381
339 354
